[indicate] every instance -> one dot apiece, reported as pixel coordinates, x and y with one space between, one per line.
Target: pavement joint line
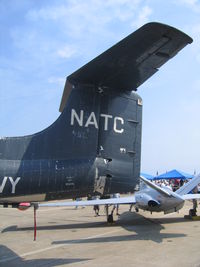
57 246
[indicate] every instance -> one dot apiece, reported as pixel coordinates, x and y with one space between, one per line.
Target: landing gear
109 216
192 212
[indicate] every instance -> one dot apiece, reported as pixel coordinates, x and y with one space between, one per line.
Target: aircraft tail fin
130 62
185 189
156 187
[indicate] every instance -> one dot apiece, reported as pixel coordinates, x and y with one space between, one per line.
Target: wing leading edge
110 201
186 188
161 190
191 196
130 62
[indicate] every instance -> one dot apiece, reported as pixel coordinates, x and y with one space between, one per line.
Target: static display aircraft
150 197
94 146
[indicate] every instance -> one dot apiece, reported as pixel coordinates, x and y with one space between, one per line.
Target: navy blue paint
61 161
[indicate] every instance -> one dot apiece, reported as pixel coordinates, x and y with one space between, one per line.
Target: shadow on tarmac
142 228
10 259
15 228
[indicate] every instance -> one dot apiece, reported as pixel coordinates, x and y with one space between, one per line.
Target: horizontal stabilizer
156 187
130 62
109 201
133 60
186 188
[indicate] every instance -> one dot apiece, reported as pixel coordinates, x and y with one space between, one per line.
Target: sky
42 42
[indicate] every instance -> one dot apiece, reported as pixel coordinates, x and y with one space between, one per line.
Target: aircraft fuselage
151 200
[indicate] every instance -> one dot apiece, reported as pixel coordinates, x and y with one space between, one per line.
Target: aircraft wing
130 62
109 201
156 187
191 196
186 188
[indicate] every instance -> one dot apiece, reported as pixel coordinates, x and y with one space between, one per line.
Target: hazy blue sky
42 42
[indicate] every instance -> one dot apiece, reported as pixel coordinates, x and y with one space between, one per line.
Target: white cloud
77 23
57 80
195 33
92 15
66 52
123 9
47 13
192 4
52 39
143 16
92 9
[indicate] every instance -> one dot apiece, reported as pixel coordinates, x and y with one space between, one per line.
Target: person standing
96 210
116 206
96 207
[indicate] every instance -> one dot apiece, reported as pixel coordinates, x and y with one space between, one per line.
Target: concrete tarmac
75 237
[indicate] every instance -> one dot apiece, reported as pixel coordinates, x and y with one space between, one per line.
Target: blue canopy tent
147 176
174 174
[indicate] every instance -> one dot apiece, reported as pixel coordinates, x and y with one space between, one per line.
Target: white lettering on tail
106 116
92 120
13 183
115 124
79 119
3 184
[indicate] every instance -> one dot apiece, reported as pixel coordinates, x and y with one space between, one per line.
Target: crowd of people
172 184
96 208
115 207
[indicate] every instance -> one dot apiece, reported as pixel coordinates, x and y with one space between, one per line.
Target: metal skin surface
79 153
151 200
94 147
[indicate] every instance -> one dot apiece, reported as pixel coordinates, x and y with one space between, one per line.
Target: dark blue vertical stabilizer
94 147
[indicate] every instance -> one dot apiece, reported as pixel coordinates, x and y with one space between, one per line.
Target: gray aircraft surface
150 197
